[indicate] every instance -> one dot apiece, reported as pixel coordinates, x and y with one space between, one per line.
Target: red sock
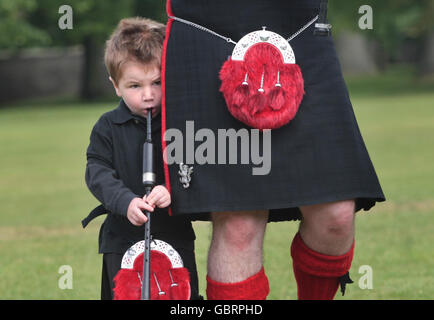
317 274
254 288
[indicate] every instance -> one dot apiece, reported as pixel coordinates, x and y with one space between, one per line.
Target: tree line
30 23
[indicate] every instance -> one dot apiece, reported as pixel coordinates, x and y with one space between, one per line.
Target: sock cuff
255 287
318 264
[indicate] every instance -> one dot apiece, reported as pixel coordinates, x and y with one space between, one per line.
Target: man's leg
235 268
322 250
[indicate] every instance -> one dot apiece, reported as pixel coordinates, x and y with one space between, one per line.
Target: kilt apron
318 157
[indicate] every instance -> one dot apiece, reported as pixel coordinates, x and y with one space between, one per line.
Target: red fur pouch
261 83
169 279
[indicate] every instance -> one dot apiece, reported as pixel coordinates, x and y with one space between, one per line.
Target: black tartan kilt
318 157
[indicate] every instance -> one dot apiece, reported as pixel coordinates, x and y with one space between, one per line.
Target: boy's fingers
140 217
164 204
145 206
135 220
163 201
148 207
158 197
135 212
152 198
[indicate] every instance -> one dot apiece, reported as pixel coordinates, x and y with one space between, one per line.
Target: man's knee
336 219
238 229
342 219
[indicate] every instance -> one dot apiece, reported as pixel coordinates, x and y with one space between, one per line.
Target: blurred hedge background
38 59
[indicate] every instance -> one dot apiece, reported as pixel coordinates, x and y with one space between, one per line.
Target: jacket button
136 121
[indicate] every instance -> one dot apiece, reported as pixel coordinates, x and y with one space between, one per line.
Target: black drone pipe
148 180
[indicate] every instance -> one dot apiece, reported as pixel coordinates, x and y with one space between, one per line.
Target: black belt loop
322 27
100 210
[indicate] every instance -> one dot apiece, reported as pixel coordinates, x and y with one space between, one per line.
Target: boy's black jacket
114 176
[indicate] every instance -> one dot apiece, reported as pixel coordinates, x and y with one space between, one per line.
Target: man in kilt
321 172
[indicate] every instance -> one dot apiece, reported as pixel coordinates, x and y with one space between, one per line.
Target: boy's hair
134 39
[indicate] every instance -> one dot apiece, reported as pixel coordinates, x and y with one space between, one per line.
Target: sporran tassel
277 95
258 102
241 93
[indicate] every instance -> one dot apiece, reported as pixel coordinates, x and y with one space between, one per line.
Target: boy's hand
135 211
159 197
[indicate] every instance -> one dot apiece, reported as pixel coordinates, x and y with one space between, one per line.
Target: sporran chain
227 39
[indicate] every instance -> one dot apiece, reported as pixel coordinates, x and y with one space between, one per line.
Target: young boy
114 155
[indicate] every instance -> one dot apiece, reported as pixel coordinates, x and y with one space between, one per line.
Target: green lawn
43 199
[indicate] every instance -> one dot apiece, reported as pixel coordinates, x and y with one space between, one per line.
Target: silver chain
198 26
302 29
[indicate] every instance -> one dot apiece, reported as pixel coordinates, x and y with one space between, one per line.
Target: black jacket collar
123 114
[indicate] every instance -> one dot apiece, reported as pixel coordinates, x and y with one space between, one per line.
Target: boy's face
140 88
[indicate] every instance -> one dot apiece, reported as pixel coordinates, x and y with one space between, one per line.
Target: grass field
43 198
